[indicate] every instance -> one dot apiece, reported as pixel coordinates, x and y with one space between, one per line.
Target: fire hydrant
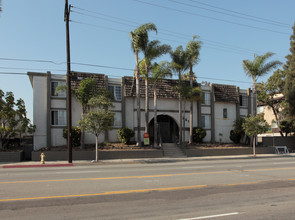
42 155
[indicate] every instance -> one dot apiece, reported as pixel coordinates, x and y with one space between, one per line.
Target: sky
33 37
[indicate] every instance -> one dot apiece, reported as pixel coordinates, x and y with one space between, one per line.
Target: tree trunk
254 143
138 102
96 148
146 105
254 97
191 110
155 119
183 121
277 120
180 113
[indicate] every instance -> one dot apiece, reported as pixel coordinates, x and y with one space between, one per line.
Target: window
206 98
54 85
243 100
116 91
225 113
59 117
118 120
206 121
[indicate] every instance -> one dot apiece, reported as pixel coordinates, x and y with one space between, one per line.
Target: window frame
115 90
58 113
203 121
60 94
206 96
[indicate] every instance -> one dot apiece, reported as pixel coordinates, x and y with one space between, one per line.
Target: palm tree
139 38
179 64
159 72
193 50
257 68
152 51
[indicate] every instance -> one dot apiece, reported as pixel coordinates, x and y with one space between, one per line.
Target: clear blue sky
35 30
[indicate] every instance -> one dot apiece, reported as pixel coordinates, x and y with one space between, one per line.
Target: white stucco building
222 105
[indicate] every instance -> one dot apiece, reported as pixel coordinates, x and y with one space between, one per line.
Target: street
261 188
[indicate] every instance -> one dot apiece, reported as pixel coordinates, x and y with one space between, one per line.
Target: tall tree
139 39
152 51
289 91
193 51
179 65
159 72
257 68
13 118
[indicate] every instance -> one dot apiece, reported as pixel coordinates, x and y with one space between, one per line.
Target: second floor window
206 98
116 91
243 100
54 85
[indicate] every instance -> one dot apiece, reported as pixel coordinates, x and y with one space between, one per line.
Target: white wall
224 125
40 111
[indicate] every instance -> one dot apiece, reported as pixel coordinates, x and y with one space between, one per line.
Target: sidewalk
34 164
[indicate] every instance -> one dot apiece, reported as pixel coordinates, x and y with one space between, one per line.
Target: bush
238 132
125 134
235 136
76 135
198 134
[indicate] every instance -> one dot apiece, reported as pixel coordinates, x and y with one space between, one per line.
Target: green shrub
125 134
238 132
198 134
235 136
76 135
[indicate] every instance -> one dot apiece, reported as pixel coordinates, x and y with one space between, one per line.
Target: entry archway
168 131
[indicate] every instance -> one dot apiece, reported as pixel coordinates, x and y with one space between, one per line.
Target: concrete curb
38 165
139 161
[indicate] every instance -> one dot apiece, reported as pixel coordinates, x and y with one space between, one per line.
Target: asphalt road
221 189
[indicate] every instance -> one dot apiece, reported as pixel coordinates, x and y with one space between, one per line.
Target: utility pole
69 96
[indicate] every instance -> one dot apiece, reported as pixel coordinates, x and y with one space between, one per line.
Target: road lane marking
140 191
211 216
150 176
108 193
71 172
197 167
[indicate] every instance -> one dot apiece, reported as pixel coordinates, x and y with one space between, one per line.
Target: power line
184 36
240 13
211 18
218 48
32 60
35 69
237 16
171 33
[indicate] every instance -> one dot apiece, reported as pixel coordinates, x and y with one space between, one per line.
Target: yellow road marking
108 193
140 191
149 176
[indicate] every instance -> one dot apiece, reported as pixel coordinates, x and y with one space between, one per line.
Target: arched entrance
168 131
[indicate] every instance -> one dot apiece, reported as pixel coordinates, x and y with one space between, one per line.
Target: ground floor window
59 117
206 121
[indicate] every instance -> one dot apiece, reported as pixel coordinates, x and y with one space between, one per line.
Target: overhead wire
215 44
211 18
240 13
237 15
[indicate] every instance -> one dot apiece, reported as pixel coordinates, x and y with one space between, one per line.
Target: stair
171 150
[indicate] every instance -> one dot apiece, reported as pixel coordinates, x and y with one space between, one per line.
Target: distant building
222 105
268 112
